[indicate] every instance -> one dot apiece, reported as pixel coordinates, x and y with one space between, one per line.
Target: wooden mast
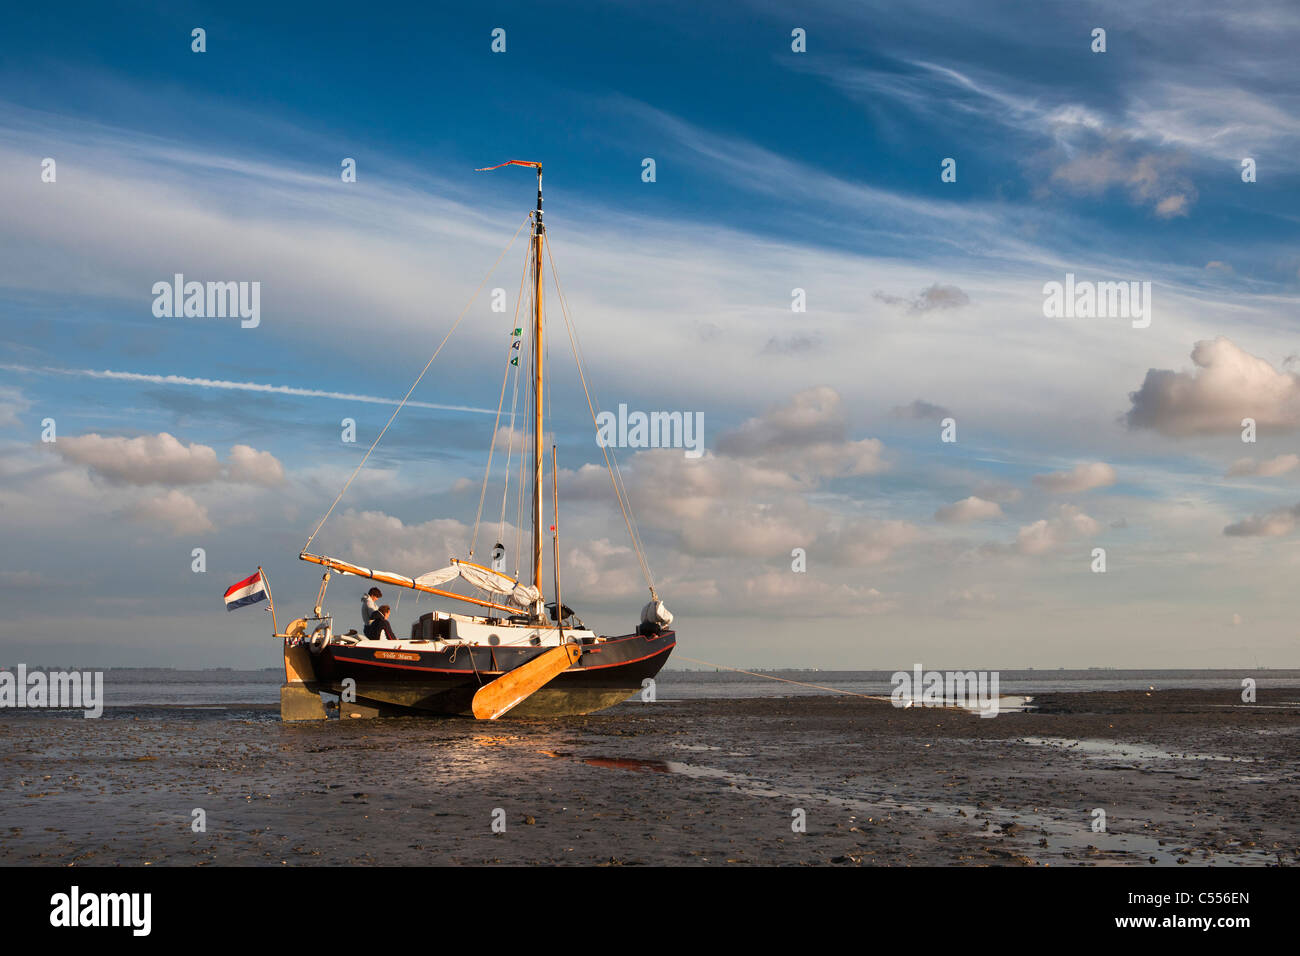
539 232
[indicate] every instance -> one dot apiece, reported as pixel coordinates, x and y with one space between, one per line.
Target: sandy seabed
1183 777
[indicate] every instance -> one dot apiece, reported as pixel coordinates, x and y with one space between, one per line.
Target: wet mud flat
1189 778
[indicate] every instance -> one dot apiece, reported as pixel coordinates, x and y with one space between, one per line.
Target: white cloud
163 459
968 509
386 543
247 464
1228 385
1082 477
1280 521
806 436
176 510
1263 468
1051 534
148 459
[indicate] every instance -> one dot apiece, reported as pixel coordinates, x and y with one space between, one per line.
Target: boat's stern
299 696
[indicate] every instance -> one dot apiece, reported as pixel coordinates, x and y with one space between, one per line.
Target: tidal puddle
1011 704
1111 749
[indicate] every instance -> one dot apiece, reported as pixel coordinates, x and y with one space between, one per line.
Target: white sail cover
434 578
522 595
656 613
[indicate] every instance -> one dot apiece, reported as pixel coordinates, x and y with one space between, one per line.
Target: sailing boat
514 652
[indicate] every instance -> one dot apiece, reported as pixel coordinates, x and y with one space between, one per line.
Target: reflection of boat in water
519 653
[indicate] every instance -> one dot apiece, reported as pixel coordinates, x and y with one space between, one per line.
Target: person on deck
369 605
378 627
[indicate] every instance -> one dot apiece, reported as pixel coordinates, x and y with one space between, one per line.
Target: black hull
444 682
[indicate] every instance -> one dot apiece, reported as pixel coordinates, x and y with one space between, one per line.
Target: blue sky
775 170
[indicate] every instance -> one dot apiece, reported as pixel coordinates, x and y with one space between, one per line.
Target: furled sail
523 595
655 614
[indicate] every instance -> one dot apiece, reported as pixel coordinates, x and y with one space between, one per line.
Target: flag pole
269 600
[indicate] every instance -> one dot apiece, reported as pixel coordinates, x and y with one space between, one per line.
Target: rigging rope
505 378
405 397
510 457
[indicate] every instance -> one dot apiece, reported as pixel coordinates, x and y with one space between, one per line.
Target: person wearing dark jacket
378 626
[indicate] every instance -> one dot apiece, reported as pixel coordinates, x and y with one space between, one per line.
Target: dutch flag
248 591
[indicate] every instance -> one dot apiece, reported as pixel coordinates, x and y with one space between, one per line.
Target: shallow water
128 687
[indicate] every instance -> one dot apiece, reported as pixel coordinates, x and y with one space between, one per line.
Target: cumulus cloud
968 509
602 568
174 510
1050 534
1227 385
1082 477
250 466
808 436
1263 468
1272 524
752 496
373 537
929 299
149 459
163 459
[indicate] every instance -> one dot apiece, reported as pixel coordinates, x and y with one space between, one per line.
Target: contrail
239 387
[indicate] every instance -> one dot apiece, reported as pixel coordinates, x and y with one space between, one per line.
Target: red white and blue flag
248 591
